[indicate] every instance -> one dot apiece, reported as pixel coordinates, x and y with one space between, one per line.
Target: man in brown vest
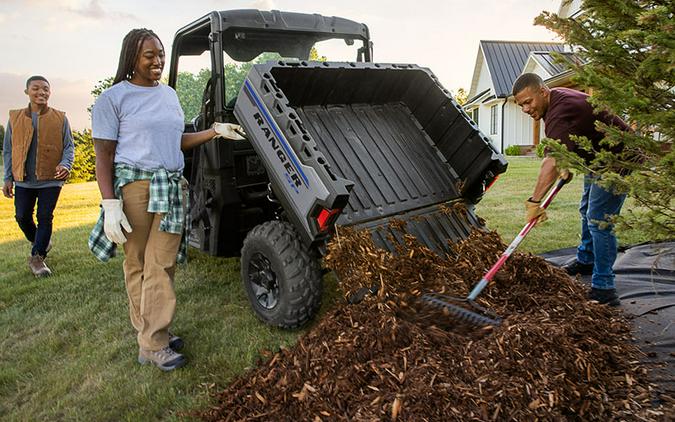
38 154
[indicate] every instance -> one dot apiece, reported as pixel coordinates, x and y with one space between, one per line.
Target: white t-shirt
146 122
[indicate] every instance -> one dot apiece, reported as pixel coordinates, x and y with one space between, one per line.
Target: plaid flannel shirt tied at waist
165 198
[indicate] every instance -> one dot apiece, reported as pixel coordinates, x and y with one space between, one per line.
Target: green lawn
67 349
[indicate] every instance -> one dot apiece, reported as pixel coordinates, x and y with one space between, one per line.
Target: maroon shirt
569 113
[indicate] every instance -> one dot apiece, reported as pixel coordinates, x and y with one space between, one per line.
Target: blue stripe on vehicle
280 137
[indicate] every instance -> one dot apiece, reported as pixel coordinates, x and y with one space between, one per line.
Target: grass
68 350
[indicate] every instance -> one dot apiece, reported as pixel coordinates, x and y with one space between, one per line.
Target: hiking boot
576 267
165 359
37 265
175 343
604 296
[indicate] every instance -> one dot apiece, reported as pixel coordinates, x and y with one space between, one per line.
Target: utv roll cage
245 34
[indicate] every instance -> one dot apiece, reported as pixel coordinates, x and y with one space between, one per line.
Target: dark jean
24 203
598 242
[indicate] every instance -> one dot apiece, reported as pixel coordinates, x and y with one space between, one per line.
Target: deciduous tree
100 86
461 96
84 165
190 88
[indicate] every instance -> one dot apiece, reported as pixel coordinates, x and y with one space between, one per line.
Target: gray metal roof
475 97
506 59
553 66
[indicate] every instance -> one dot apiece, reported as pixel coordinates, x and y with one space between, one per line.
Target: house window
474 115
493 120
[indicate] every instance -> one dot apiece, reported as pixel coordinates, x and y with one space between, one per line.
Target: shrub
84 165
512 150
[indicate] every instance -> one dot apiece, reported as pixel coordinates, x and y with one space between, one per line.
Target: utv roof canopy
248 33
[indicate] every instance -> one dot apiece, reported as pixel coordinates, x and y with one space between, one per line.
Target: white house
490 103
570 8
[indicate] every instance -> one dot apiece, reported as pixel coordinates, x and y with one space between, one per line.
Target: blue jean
24 203
598 242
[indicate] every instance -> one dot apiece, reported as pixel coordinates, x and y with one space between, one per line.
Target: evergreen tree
628 49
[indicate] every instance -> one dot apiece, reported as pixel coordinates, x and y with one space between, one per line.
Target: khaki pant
149 267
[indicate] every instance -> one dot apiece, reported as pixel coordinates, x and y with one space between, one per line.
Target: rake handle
516 242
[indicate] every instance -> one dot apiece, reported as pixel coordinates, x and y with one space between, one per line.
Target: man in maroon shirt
567 112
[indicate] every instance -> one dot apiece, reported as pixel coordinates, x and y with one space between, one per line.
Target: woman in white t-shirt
137 126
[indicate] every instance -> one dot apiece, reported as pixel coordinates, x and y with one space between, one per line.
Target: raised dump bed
366 143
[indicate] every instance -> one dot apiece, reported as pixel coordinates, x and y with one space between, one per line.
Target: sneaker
604 296
37 265
165 359
575 267
175 343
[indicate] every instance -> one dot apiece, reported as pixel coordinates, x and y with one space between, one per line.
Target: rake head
463 310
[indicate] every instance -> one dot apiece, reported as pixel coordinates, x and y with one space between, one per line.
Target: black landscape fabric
645 282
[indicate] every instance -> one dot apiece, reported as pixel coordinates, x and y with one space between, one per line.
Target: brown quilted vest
49 146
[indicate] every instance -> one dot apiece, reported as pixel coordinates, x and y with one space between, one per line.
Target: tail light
327 217
492 182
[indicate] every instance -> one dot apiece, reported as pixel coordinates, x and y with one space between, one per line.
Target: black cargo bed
382 149
377 142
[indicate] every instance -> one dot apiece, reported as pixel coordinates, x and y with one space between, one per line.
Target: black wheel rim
263 281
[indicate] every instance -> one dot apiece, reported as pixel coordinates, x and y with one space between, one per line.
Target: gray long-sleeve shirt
30 180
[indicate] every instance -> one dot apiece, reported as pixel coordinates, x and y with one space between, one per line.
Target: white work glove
114 220
228 131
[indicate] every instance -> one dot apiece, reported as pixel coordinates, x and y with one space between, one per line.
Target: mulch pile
555 356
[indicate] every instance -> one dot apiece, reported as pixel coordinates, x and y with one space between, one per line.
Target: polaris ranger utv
347 143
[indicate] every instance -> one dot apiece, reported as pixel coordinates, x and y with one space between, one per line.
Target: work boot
604 296
175 343
37 265
576 267
165 359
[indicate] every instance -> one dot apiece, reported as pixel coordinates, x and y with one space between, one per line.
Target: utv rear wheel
281 278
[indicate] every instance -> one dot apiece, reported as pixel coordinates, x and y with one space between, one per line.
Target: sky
76 43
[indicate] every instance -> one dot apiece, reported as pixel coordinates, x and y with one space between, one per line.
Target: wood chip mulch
555 356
